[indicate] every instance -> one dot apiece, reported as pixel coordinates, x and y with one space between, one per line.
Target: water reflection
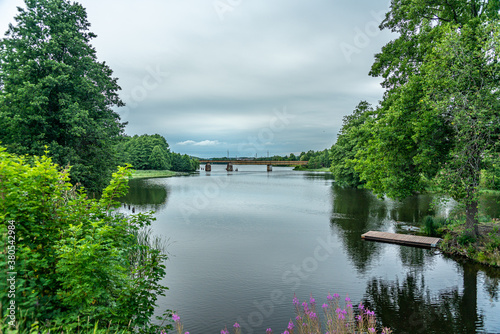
415 258
257 226
413 209
318 176
410 307
355 212
413 305
146 194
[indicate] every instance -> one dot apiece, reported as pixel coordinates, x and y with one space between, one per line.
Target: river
241 244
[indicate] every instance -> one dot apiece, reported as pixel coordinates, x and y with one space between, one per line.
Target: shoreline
304 169
147 174
483 251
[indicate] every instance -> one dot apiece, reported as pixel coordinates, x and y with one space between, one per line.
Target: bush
494 243
432 225
465 239
75 257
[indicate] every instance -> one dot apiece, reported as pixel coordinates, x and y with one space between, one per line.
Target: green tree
314 163
349 140
462 82
54 92
306 156
183 163
385 161
138 151
158 158
440 110
325 159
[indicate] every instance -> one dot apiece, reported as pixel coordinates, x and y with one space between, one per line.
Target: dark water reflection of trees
146 194
356 211
408 306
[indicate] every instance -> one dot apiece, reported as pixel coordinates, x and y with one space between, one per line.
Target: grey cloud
225 78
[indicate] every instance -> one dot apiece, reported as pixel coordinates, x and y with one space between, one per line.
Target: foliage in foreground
307 321
75 257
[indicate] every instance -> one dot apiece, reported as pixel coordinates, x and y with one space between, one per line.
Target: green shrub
432 225
76 258
465 239
494 242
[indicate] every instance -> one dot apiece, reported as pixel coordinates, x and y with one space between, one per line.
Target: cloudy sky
244 76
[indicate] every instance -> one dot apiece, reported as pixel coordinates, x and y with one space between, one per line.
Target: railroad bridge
269 163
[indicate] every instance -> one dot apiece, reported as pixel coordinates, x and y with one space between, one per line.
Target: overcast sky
244 76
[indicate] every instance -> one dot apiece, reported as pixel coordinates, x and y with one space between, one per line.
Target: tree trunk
471 218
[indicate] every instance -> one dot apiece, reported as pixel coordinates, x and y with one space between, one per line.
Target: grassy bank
485 249
301 168
489 192
142 174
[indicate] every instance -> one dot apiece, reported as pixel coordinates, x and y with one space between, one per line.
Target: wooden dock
403 239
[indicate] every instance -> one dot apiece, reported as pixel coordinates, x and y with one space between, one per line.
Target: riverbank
305 169
143 174
485 249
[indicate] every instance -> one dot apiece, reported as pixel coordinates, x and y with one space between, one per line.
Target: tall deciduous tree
350 139
462 85
55 93
439 115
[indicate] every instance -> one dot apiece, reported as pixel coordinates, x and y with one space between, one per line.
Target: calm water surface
242 243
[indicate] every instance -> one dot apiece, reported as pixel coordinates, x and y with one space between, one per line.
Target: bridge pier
229 167
208 167
269 168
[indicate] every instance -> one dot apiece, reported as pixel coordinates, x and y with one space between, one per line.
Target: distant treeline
148 152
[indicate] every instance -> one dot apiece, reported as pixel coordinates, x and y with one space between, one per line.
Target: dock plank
403 239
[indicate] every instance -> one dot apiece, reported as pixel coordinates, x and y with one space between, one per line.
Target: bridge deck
403 239
259 162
